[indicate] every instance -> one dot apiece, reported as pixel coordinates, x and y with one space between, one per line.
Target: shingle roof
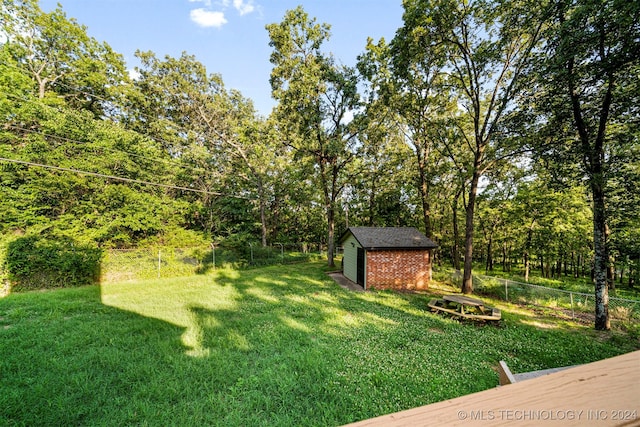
377 238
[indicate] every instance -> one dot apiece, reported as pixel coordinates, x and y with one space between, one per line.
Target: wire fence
571 304
160 262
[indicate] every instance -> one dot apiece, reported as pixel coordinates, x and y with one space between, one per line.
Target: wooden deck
507 377
603 393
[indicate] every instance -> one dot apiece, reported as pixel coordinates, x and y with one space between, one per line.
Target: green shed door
360 267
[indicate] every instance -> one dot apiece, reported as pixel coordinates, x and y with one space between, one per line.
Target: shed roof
379 238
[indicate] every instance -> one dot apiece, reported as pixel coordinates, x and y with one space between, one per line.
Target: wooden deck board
603 393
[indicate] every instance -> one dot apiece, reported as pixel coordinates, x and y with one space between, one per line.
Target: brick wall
400 270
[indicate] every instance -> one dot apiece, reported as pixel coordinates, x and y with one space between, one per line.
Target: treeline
506 131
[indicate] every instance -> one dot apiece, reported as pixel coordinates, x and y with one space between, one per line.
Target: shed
387 257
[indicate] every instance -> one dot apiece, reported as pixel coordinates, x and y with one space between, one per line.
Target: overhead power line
150 137
80 91
113 150
119 178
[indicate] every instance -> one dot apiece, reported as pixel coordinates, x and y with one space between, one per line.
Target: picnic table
465 307
463 301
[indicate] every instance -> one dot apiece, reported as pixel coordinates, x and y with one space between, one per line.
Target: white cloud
242 7
207 3
207 18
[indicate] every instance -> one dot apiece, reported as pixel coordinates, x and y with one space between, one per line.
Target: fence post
506 290
213 255
573 314
159 261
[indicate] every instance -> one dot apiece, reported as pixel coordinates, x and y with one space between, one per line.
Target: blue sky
229 36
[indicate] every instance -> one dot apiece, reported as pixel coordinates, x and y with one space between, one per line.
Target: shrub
35 262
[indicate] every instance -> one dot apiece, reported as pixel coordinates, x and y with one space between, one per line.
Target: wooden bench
496 314
507 377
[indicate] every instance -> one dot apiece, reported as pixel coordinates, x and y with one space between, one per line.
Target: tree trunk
592 150
621 273
263 222
505 264
527 261
263 215
611 275
372 202
467 279
455 251
611 265
489 264
331 235
601 259
329 178
422 154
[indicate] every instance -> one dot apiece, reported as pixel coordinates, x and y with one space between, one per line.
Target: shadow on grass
274 346
68 359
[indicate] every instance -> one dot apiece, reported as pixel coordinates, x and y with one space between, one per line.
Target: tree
58 55
623 196
406 80
383 190
259 162
588 75
316 102
53 111
486 45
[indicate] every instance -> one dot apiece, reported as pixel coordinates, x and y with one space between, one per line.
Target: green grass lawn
280 345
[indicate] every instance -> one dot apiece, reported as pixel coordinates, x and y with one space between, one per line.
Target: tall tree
486 45
260 163
406 78
316 101
383 191
56 85
165 104
589 75
203 127
59 55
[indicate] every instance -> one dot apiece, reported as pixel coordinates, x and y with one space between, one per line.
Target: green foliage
57 53
585 90
39 262
442 104
316 98
175 237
